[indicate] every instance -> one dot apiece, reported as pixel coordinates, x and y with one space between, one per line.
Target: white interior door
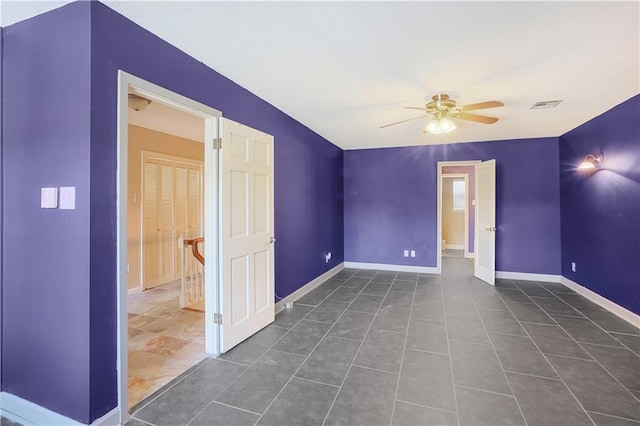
485 260
247 243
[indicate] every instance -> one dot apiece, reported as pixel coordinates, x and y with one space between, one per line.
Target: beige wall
452 222
141 139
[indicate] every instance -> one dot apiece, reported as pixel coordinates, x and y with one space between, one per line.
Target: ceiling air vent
546 104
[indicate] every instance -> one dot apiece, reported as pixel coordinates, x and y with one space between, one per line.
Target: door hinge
217 319
217 143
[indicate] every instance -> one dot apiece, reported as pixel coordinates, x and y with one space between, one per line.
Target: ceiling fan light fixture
437 126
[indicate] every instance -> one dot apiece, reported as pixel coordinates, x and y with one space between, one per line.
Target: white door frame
127 82
442 164
465 177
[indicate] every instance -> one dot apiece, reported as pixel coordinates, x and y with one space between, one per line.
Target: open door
247 243
485 260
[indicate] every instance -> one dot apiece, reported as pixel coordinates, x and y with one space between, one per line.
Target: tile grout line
141 421
172 386
486 391
344 379
594 358
253 363
592 321
316 381
404 348
612 415
230 406
260 357
550 364
561 356
446 328
426 406
495 352
427 352
311 352
532 375
607 370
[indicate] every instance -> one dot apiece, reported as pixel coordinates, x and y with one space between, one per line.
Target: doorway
161 202
165 193
237 277
479 205
455 214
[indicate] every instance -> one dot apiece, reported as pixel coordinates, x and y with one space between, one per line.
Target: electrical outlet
413 253
573 266
327 257
406 253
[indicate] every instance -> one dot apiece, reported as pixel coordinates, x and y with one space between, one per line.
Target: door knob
272 240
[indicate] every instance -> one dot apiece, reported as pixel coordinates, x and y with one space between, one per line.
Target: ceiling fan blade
481 105
418 108
477 118
403 121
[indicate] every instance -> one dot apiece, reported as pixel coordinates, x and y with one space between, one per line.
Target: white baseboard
613 307
112 418
454 246
390 267
525 276
308 287
28 413
470 255
134 290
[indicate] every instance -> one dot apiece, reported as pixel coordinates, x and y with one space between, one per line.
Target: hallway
380 348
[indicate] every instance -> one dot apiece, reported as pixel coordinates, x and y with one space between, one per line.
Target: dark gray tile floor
6 422
381 348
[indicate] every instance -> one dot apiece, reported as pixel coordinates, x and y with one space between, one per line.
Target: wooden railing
195 248
192 273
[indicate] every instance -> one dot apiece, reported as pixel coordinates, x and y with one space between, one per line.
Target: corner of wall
1 186
599 222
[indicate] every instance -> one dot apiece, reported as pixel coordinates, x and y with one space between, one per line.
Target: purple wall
45 305
308 175
59 312
1 174
390 203
471 171
601 211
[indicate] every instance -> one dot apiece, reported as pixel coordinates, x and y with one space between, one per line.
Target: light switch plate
49 198
67 198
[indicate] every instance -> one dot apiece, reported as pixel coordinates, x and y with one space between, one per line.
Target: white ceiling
166 119
345 68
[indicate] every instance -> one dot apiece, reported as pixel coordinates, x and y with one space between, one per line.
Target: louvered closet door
159 223
150 224
172 203
188 203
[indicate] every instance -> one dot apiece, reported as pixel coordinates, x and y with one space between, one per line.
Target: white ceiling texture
345 68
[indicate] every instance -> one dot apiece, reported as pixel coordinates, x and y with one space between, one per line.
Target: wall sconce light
591 162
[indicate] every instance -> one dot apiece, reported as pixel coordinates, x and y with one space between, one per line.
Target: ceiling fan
442 108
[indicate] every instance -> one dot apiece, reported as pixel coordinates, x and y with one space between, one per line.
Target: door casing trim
129 83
